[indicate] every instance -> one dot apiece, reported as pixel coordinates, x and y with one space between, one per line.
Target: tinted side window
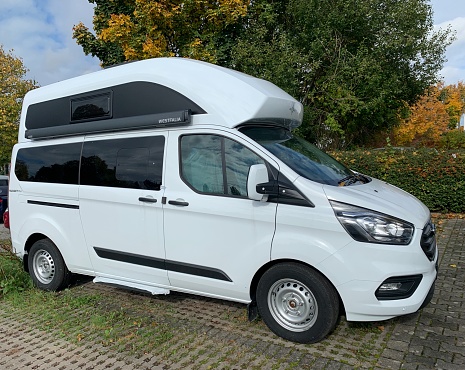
53 164
127 163
213 164
91 107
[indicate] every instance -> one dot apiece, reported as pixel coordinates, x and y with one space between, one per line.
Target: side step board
129 284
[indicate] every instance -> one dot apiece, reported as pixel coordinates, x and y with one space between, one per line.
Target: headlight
369 226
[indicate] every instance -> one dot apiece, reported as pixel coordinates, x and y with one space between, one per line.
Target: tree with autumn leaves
141 29
13 87
433 120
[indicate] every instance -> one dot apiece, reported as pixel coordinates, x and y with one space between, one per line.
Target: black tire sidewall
325 296
61 272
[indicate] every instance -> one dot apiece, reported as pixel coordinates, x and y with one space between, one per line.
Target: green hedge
437 178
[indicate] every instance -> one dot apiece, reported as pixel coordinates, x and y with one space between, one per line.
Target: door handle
147 200
178 203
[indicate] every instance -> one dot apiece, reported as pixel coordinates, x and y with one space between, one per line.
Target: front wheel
47 267
297 303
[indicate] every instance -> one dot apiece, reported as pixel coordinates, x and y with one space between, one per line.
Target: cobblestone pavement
213 334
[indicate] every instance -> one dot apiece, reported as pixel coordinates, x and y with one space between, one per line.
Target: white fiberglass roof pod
150 88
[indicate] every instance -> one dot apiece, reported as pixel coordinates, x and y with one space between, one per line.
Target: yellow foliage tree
140 29
13 87
427 121
453 97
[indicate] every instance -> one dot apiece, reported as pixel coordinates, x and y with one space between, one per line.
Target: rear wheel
297 303
47 267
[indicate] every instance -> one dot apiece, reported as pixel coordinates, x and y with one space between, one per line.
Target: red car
6 219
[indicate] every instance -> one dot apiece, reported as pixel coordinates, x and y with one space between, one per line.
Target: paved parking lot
213 334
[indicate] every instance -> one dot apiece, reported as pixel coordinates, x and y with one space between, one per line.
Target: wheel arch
29 243
68 238
267 266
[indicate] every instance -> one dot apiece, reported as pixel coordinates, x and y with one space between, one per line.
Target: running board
129 284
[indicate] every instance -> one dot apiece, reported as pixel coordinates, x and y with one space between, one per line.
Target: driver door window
213 164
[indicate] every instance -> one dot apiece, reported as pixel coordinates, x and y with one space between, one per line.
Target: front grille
428 240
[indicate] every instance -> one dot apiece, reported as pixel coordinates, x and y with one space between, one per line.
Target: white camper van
174 174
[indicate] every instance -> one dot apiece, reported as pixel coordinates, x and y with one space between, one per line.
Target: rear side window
135 163
53 164
214 164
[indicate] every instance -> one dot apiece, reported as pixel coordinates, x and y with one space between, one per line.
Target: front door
215 237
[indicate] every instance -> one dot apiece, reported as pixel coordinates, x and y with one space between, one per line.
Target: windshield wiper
351 179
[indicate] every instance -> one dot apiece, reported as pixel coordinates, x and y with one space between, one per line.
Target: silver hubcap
44 266
292 305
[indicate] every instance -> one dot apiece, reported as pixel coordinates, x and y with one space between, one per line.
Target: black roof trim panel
127 106
112 125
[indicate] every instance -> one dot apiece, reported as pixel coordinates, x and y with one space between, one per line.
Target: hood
382 197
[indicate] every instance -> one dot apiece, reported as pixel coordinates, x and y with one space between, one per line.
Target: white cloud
454 68
457 24
452 75
22 6
40 32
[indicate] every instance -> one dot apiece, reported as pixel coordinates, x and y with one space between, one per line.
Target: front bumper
359 269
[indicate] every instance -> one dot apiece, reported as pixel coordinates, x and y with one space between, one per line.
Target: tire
297 303
47 267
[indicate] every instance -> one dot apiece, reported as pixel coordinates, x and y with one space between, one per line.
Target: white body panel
114 219
387 198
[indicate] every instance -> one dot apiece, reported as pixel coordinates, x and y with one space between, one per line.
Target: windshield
304 158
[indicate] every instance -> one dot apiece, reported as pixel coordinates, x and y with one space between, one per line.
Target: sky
40 33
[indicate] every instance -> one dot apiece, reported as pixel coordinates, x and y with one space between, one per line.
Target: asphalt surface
214 334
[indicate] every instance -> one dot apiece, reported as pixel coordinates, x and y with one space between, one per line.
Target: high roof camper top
152 93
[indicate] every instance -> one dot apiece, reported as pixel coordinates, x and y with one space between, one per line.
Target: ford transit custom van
174 174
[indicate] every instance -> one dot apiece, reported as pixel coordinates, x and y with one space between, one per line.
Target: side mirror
258 174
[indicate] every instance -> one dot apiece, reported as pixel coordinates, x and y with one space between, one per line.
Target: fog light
398 287
390 287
